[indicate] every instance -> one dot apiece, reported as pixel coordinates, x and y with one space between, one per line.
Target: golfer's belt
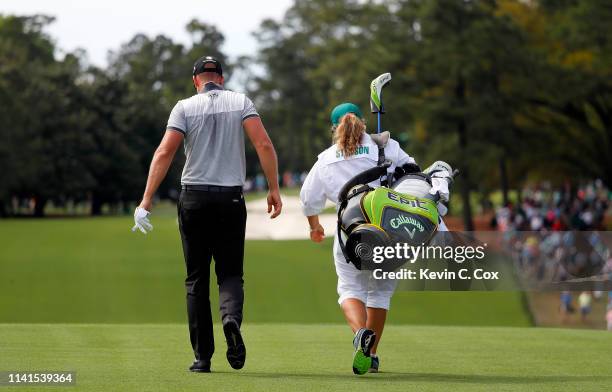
212 188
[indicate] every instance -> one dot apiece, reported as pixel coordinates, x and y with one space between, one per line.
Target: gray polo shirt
214 138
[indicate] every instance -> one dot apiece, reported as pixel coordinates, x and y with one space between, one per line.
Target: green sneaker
375 364
363 341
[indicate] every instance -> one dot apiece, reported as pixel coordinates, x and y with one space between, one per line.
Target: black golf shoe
200 366
236 351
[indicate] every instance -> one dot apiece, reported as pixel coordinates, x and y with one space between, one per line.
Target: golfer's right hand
317 233
274 203
141 220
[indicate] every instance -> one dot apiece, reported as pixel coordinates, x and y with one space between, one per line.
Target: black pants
212 225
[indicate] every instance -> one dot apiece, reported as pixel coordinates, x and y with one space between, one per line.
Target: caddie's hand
439 185
317 233
275 204
141 220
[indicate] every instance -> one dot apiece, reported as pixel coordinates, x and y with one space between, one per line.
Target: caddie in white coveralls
364 300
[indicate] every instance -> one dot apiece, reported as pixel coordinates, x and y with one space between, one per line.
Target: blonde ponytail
347 134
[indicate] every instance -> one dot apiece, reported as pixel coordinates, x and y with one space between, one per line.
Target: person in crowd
566 308
585 300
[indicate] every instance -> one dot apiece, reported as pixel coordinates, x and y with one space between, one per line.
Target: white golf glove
141 220
439 185
440 173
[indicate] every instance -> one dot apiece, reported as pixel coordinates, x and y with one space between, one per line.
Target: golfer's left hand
274 203
141 220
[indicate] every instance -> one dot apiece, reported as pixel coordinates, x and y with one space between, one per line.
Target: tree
37 94
572 102
88 133
320 54
465 54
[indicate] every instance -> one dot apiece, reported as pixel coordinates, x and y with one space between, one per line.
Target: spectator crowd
557 235
566 208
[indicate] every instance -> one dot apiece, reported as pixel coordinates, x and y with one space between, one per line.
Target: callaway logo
410 233
406 220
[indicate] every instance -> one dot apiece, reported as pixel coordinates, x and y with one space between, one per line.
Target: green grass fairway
89 295
315 357
85 270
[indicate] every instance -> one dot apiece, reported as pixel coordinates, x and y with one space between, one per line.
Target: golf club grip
450 180
362 178
454 174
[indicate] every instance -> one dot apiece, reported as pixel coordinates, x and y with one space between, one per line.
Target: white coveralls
331 171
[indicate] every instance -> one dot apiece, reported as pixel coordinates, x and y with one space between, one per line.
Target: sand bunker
291 224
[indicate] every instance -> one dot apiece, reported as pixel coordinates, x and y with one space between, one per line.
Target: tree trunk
503 176
96 205
39 207
468 224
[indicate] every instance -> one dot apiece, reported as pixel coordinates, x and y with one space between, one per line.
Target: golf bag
402 210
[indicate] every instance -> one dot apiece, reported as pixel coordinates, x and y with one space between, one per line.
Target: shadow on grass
428 377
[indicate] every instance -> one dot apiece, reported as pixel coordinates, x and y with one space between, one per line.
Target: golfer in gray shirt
211 208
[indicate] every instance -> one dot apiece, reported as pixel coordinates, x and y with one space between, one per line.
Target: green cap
342 109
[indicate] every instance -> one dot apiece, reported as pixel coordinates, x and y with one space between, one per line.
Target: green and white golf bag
402 210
